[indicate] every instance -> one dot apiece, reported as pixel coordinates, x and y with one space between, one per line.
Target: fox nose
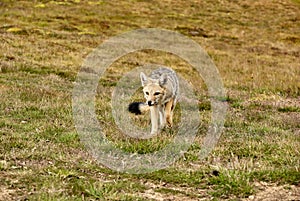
150 103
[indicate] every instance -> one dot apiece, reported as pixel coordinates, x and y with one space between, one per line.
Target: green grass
255 46
231 183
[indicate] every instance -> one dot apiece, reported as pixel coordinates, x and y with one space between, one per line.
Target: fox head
154 89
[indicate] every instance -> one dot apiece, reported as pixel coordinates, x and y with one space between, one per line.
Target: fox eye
147 93
156 93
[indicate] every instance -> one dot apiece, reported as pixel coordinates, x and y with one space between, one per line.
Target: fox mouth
150 103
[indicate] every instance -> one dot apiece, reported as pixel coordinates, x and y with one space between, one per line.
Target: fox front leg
154 119
162 117
169 112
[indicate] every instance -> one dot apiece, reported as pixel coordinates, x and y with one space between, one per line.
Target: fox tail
138 108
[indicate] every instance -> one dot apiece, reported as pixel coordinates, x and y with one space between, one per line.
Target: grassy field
256 47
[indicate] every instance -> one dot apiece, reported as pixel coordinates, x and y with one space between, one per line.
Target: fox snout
150 103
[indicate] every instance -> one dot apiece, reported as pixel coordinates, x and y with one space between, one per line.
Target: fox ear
163 80
144 79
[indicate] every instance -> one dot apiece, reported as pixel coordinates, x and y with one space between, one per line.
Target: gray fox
161 91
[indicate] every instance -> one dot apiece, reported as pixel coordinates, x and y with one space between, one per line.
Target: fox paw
169 125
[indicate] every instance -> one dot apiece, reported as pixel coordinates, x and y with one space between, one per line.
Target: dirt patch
6 194
151 194
167 192
271 192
